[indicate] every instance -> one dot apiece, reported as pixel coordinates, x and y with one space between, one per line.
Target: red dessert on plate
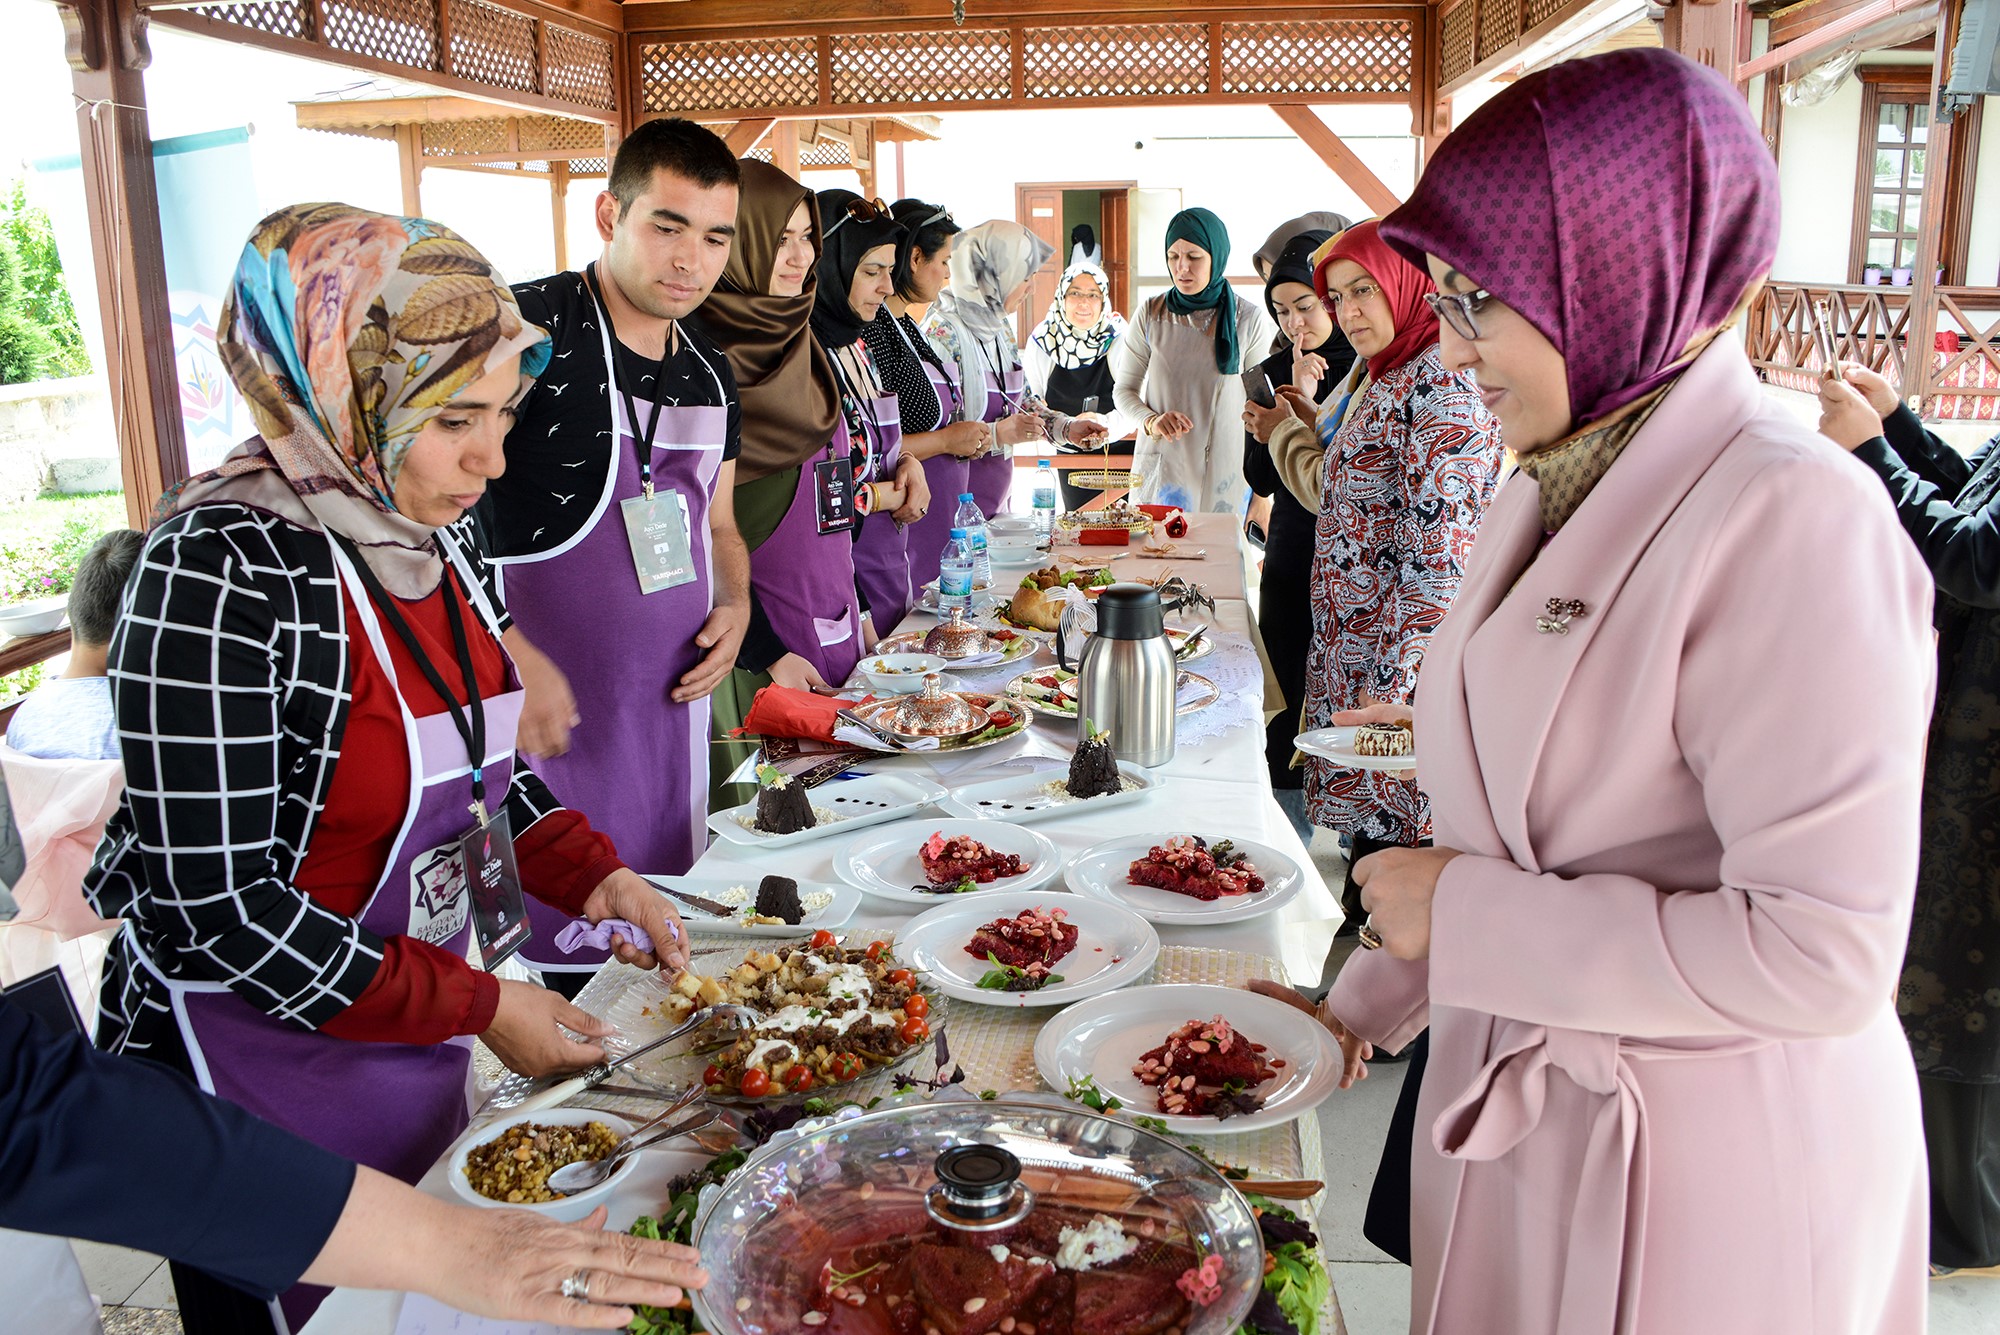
1187 865
1024 949
950 861
1206 1068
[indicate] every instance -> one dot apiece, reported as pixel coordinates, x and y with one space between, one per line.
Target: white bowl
37 617
909 680
569 1208
1008 524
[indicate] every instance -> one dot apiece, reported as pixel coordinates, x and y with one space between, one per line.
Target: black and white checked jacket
231 681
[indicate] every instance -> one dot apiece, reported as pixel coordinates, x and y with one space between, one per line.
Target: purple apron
881 559
993 474
805 579
638 764
393 1106
948 476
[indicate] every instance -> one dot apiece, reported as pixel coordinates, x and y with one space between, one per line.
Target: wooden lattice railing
1871 325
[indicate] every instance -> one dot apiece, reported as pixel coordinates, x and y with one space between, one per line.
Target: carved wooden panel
1132 60
1457 31
401 31
492 45
1343 56
579 68
757 72
949 65
1499 25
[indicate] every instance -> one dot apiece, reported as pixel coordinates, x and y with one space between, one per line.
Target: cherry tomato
875 949
712 1076
900 978
846 1066
918 1006
798 1079
822 939
914 1030
756 1084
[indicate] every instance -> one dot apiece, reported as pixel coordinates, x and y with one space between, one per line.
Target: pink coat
1667 1091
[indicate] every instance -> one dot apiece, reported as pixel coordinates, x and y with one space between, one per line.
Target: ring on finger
1370 938
577 1286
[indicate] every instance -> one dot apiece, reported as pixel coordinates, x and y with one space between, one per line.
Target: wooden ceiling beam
1335 153
684 19
746 135
367 113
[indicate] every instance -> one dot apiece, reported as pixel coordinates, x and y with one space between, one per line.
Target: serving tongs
565 1090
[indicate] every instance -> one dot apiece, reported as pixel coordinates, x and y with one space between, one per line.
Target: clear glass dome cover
1041 1219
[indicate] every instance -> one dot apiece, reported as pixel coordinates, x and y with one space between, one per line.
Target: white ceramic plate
1101 872
1337 745
1041 795
732 889
885 863
854 803
1193 692
1114 947
1103 1037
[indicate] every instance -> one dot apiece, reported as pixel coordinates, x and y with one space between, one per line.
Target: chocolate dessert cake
1384 739
1093 770
778 897
783 806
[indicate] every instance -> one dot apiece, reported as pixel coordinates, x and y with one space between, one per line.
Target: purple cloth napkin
581 933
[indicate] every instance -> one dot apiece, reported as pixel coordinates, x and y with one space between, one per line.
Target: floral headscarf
987 264
346 332
1068 345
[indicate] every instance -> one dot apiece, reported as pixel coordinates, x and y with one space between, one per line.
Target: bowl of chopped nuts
506 1162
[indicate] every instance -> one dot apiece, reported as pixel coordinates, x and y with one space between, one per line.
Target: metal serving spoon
587 1173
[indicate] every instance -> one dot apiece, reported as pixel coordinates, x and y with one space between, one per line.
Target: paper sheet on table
428 1316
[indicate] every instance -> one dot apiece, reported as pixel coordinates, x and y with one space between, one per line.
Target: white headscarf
987 263
1068 345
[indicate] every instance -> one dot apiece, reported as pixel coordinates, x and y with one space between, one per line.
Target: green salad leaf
1012 978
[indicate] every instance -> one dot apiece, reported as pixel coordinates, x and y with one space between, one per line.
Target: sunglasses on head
859 210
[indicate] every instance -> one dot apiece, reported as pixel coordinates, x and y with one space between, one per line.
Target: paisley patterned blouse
1409 471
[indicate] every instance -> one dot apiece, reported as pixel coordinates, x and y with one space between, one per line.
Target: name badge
499 909
656 526
833 495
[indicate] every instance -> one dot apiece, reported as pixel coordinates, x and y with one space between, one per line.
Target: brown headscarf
790 398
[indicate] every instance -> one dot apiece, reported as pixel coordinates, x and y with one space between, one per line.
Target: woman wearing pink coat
1672 731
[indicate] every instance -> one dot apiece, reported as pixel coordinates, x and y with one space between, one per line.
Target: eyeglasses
858 210
1460 310
1359 293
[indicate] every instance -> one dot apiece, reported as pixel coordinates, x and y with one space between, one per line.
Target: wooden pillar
559 212
1922 330
108 55
1714 32
785 148
902 190
863 142
410 162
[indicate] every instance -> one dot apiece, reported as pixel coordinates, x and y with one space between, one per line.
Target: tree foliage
39 332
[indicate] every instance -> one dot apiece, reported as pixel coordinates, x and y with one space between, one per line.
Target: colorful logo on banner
211 411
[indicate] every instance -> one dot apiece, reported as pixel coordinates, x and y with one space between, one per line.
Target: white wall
1242 162
1816 164
1982 256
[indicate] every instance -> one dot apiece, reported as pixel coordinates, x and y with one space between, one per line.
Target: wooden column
746 135
410 164
1714 32
559 212
108 55
1922 330
785 148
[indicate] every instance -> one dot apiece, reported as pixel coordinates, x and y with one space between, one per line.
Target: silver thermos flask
1127 676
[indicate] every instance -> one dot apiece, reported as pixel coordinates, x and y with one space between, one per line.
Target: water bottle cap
958 533
1043 463
964 496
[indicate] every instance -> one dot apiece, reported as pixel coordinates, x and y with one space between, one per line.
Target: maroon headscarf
1403 285
1623 204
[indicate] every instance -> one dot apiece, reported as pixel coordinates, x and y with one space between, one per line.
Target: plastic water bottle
1045 498
970 519
955 574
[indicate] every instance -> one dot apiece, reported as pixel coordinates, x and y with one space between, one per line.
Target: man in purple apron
613 522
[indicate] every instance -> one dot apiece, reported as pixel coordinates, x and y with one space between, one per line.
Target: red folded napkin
781 711
1105 537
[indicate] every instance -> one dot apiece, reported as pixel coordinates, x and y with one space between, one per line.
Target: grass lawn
41 541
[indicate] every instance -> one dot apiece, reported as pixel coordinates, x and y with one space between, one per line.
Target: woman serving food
317 720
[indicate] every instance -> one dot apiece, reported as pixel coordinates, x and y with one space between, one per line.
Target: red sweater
423 993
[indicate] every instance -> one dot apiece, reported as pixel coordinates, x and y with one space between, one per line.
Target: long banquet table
1217 783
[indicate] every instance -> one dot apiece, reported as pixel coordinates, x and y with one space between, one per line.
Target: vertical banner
208 204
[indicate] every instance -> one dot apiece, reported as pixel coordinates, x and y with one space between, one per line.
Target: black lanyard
470 719
625 393
861 426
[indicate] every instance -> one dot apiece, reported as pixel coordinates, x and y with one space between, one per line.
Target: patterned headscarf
987 264
1066 344
1624 204
1403 287
346 332
1204 229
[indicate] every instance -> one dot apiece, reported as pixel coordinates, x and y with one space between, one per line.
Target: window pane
1888 168
1893 123
1882 253
1913 207
1906 254
1916 159
1922 112
1883 213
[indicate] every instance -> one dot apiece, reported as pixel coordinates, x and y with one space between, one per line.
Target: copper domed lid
975 1211
955 637
934 712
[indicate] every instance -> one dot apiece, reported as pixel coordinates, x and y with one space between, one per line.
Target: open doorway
1052 210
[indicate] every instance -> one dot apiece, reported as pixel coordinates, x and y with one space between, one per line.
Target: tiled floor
1374 1291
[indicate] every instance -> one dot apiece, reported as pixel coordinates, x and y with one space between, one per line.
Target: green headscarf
1204 229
